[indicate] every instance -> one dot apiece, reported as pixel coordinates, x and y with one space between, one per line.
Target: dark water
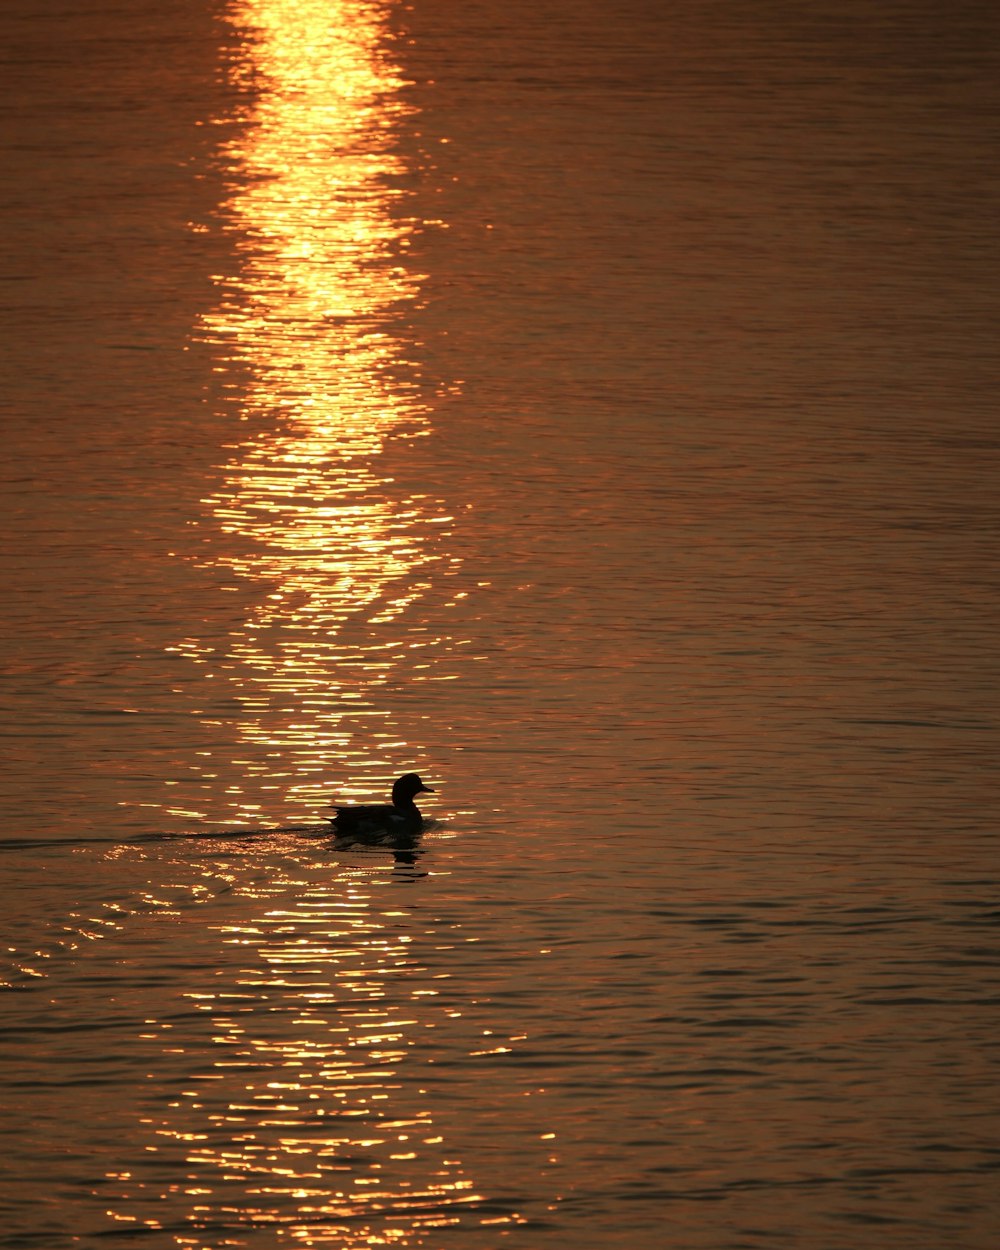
592 408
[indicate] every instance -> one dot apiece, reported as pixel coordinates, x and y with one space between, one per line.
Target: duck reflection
405 848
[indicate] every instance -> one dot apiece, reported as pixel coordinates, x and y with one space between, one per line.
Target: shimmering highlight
306 339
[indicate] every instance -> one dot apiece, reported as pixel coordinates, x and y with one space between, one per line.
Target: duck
401 817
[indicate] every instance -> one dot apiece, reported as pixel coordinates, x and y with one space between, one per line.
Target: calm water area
593 408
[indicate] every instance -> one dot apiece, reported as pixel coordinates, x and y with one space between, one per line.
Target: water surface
593 412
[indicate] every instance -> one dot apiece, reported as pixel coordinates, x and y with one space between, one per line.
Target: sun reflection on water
305 341
291 1084
296 1099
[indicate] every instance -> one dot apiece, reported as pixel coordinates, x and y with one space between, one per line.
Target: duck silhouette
399 819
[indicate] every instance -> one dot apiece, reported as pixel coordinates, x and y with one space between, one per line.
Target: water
592 409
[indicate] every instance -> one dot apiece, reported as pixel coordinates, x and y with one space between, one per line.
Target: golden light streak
305 335
306 1111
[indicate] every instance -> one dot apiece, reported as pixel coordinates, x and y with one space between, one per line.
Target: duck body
399 819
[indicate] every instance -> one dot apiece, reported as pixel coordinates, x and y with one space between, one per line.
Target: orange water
593 411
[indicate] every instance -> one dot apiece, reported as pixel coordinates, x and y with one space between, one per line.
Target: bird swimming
401 817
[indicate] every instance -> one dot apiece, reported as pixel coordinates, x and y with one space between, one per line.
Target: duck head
406 787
